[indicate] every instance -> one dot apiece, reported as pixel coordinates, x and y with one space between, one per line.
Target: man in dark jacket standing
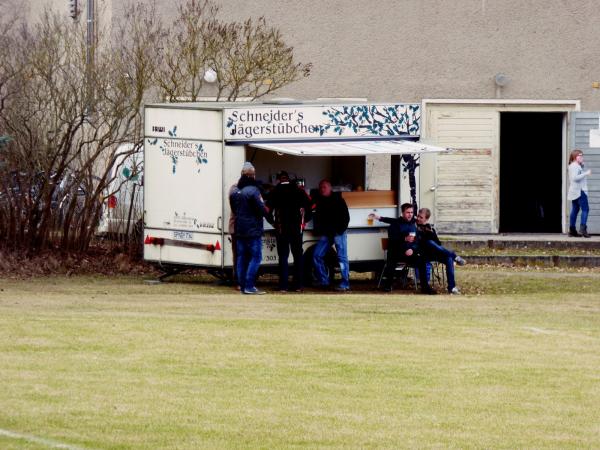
331 218
403 245
249 209
291 209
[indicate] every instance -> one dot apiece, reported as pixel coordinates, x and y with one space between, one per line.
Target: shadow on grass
472 280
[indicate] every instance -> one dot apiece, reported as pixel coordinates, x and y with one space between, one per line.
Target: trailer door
183 199
585 135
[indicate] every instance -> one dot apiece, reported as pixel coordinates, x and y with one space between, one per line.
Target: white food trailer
194 152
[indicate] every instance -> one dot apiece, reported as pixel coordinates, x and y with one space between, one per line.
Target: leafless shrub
65 132
67 118
250 59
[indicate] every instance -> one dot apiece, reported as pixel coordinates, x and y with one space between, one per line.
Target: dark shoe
583 231
428 291
386 289
573 232
342 289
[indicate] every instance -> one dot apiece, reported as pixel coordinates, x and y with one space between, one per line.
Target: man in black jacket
249 208
403 245
331 218
291 210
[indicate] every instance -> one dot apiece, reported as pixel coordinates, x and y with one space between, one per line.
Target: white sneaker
460 261
455 291
253 291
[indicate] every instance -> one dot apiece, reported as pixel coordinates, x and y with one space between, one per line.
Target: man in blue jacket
403 245
249 208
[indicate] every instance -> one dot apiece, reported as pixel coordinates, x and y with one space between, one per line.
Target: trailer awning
351 148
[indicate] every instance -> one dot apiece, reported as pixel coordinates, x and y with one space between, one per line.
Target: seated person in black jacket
403 245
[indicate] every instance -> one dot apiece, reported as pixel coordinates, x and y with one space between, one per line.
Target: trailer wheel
136 240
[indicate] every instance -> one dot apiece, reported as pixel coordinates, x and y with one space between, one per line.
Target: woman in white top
578 194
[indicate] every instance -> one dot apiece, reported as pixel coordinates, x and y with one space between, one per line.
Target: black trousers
415 260
285 243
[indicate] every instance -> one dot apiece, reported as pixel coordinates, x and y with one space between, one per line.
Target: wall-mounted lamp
210 76
500 80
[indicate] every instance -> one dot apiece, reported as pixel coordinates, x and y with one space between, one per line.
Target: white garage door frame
428 180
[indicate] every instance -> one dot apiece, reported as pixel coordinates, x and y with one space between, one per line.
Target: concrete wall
413 49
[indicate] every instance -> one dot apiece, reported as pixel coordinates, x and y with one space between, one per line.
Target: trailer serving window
344 163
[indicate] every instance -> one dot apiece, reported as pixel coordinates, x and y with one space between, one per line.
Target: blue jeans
436 252
249 256
341 247
576 205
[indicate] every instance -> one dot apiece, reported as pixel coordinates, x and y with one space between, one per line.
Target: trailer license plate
182 235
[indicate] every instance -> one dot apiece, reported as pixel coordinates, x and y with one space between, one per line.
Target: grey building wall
413 49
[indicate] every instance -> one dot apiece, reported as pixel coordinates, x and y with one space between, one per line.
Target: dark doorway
530 172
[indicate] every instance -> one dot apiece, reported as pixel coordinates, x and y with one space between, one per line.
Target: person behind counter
249 208
331 218
291 210
403 245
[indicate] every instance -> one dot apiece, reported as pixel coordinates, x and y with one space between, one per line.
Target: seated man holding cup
403 245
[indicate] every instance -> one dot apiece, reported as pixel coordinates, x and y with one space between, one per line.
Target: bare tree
184 54
67 120
250 59
8 58
62 148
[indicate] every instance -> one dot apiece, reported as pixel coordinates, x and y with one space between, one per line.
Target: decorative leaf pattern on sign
200 156
365 120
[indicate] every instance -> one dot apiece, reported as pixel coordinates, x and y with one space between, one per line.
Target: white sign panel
594 139
178 174
318 122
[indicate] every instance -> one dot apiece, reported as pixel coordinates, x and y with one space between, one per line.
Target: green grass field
117 363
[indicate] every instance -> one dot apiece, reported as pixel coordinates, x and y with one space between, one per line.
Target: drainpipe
89 56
